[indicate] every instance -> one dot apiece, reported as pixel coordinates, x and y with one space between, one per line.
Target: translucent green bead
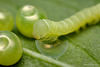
53 49
6 20
26 17
10 48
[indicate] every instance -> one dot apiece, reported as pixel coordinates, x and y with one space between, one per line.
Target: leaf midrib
45 58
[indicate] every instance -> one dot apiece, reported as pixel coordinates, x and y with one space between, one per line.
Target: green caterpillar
50 30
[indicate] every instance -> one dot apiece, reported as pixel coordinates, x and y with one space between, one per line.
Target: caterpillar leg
77 31
93 22
84 27
47 30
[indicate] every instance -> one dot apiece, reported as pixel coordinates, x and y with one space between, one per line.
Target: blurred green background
84 48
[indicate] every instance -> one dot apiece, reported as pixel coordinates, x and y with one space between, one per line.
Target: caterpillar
47 30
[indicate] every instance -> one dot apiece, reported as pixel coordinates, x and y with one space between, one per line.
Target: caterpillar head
43 30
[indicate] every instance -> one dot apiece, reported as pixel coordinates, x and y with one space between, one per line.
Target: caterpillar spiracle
49 30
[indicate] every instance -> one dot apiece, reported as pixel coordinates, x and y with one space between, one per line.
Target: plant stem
45 58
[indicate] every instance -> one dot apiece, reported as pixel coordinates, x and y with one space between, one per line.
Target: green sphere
6 20
10 48
26 17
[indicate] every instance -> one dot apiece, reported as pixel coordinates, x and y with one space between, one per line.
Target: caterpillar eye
54 49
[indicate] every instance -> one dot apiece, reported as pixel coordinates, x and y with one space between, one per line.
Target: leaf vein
45 58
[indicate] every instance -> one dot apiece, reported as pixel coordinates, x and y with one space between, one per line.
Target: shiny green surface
6 20
26 17
10 48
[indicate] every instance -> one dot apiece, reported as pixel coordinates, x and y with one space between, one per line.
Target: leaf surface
84 48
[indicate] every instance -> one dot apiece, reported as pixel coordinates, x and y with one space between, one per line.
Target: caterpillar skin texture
10 48
25 19
50 30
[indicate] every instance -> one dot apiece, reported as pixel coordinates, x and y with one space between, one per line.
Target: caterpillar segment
52 30
50 36
47 36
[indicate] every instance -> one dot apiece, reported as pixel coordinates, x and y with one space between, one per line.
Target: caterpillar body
50 30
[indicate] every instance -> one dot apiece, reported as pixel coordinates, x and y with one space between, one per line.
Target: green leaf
84 48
